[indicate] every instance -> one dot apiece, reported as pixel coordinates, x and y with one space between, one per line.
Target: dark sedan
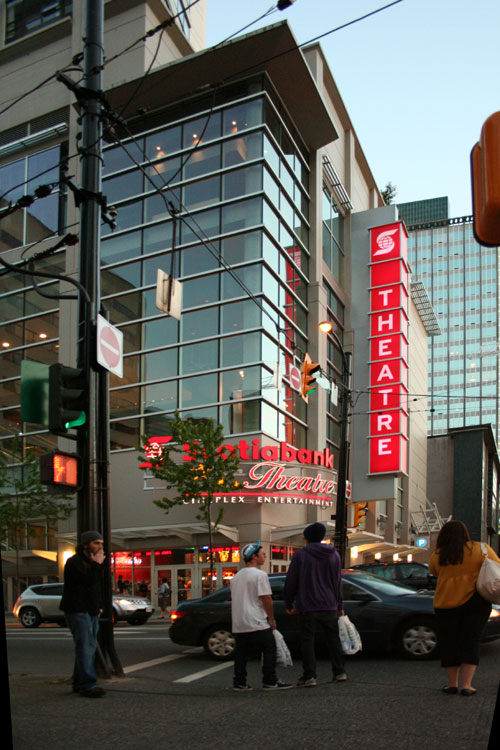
388 617
413 574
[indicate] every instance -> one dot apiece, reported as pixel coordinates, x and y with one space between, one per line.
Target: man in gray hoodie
313 588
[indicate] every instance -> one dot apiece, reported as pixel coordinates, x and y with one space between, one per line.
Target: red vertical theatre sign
388 364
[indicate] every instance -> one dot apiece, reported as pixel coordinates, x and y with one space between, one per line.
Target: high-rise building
238 169
421 212
461 279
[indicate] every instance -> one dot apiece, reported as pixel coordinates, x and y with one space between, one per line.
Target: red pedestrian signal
308 368
485 167
60 470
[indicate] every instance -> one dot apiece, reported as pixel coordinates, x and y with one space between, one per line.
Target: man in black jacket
82 604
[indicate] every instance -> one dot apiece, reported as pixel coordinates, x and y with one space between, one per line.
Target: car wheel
417 639
30 617
219 643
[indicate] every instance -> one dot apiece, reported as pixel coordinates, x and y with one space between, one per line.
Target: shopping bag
349 636
283 656
488 580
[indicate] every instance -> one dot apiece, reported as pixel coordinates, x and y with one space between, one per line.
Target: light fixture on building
378 555
395 557
409 558
43 335
325 326
5 344
354 553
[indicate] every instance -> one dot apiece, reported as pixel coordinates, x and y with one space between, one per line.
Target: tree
24 498
197 464
389 193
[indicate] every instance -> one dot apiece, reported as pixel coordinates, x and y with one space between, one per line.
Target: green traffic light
76 422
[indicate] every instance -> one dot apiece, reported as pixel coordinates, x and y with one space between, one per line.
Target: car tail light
494 613
176 614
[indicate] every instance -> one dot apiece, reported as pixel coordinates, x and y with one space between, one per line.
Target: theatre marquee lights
388 364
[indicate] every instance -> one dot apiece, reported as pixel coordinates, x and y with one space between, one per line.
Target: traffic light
308 368
67 398
485 168
60 470
360 511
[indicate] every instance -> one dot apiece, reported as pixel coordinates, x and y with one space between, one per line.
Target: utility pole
93 509
340 512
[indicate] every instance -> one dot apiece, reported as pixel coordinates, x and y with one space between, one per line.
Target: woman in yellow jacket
461 613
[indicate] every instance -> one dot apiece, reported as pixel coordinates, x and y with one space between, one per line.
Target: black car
413 574
388 617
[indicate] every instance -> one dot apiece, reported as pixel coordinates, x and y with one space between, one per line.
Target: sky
418 80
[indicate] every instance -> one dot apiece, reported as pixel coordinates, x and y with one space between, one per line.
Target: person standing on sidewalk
163 597
253 620
313 588
82 603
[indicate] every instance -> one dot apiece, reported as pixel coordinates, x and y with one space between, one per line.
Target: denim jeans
328 621
84 629
261 641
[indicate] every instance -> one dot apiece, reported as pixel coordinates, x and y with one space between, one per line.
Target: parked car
413 574
40 603
388 617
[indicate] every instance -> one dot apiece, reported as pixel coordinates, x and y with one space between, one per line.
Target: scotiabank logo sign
269 478
388 365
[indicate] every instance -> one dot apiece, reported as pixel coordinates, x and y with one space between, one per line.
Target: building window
24 17
333 236
45 216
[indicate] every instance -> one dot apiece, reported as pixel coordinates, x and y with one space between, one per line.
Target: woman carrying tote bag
461 613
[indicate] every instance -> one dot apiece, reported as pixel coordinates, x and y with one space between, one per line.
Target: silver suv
40 603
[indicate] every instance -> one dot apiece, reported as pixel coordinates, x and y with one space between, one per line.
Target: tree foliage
389 193
196 465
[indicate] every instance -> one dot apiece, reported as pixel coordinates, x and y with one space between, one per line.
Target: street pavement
386 704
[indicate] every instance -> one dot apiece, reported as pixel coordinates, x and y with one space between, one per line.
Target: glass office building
461 278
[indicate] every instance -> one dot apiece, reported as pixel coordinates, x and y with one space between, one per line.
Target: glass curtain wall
236 178
461 279
29 327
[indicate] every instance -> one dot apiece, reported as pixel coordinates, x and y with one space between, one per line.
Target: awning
187 532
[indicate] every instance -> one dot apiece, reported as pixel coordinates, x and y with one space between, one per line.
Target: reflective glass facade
237 176
461 278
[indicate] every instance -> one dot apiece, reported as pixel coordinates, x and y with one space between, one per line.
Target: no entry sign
295 377
109 347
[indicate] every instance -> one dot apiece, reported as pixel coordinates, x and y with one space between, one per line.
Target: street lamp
340 513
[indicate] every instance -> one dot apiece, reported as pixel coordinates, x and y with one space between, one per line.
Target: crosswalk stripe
205 672
153 662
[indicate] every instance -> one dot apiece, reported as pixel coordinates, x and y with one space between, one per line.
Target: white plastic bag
349 636
488 581
283 656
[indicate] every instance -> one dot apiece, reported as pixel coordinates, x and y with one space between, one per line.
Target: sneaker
278 686
340 677
310 682
242 688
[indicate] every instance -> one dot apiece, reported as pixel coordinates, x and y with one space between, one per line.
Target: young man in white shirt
253 620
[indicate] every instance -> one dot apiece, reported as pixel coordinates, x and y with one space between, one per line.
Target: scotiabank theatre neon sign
268 476
388 365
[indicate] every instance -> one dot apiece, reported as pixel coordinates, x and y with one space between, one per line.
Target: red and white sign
295 377
388 366
109 347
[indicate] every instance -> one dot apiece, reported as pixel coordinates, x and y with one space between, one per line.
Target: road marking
205 672
153 662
